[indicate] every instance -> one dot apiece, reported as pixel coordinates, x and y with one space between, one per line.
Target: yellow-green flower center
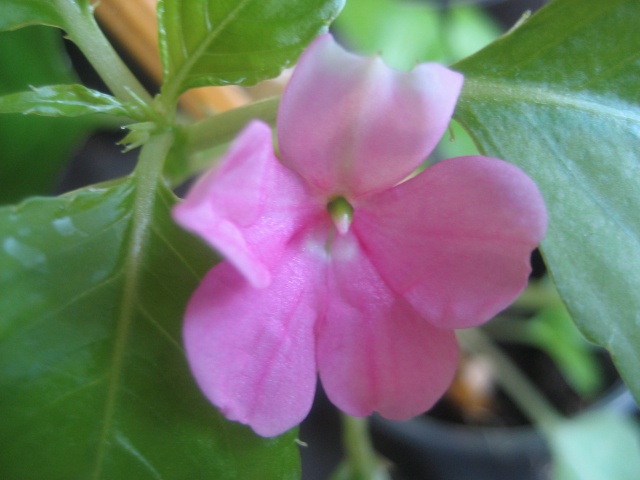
341 213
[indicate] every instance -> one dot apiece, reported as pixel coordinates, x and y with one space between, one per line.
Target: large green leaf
219 42
34 149
560 96
20 13
93 379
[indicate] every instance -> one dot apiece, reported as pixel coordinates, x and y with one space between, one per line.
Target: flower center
341 213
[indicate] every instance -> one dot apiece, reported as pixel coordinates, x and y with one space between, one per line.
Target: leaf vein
480 88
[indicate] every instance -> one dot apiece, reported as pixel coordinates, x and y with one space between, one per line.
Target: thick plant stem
538 295
87 35
519 388
361 460
222 128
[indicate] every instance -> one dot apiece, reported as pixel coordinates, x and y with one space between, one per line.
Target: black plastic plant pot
424 448
429 449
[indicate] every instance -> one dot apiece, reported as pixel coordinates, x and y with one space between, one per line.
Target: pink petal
351 125
249 206
375 353
456 240
252 351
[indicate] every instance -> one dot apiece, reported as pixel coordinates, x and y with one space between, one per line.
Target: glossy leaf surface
559 97
20 13
92 373
64 101
219 42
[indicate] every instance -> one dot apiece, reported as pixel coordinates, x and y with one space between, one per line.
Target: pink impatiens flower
334 264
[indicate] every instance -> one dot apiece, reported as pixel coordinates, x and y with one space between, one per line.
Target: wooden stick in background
134 25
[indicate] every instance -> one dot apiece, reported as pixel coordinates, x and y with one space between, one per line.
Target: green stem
515 384
361 458
82 28
222 128
148 176
537 295
504 328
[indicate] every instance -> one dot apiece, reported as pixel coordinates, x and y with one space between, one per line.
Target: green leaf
66 101
595 446
93 377
34 149
219 42
559 97
21 13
